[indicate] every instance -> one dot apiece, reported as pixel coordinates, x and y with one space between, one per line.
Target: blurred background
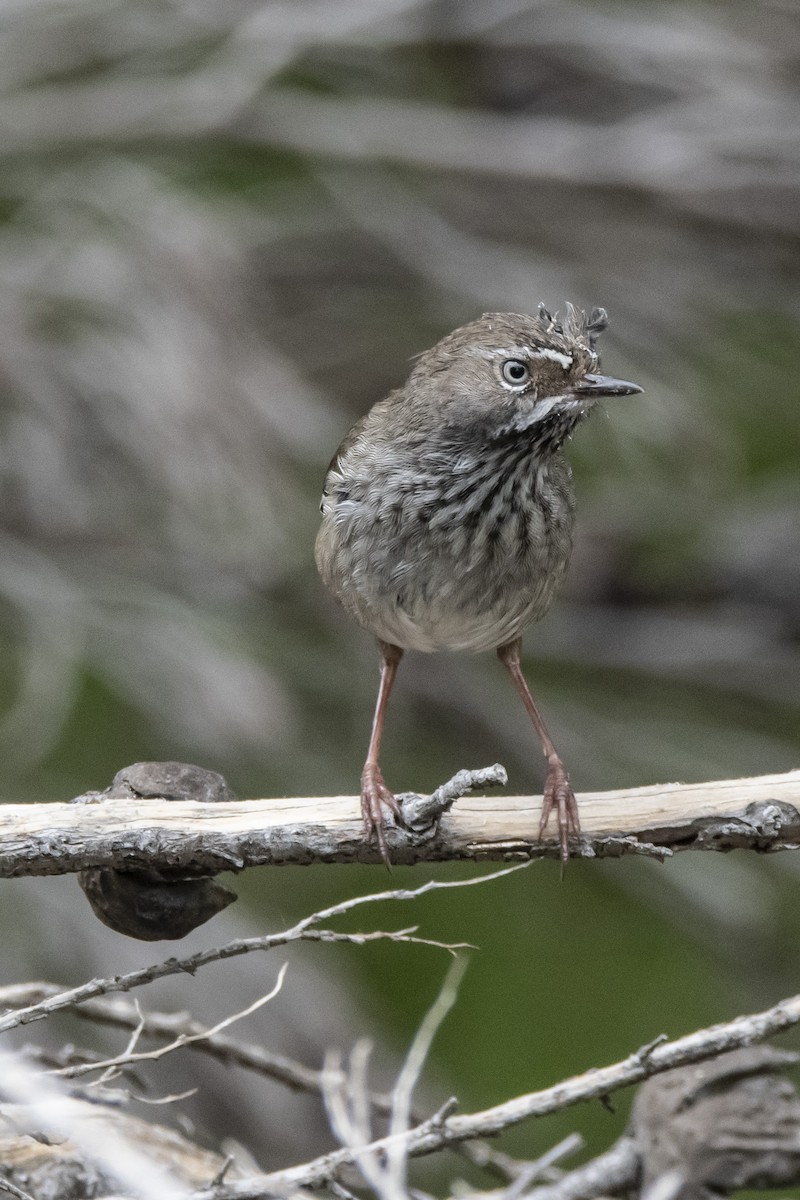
224 230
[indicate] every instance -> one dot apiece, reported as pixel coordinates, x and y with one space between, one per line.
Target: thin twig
347 1099
612 1173
129 1055
397 1158
11 1188
594 1084
532 1171
120 1012
302 931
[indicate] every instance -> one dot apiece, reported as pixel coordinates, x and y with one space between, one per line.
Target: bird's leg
558 793
374 792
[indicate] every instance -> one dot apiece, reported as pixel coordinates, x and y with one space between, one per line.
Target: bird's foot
376 797
558 795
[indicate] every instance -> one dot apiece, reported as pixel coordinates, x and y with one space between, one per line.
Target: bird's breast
459 554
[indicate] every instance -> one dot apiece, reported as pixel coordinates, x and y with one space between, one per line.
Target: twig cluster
49 1100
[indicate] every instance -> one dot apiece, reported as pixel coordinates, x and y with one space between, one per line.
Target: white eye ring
516 372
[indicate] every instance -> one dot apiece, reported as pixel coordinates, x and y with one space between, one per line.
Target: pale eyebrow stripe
524 352
566 360
507 351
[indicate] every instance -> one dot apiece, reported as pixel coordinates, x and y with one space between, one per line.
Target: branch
446 1130
130 1055
307 929
56 839
123 1014
181 1028
616 1172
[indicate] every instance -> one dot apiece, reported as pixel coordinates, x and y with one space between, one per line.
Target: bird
448 512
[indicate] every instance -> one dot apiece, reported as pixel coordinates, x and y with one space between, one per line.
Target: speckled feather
448 509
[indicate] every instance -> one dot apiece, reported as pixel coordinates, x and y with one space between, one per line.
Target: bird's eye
515 372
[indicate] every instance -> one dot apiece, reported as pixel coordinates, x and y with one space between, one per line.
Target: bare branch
302 931
527 1173
6 1186
613 1173
447 1130
414 1062
130 1055
124 1014
347 1099
119 1012
511 1169
53 839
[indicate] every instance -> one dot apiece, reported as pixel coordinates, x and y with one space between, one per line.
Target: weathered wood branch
53 839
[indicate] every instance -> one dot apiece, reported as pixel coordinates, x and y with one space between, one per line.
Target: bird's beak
594 387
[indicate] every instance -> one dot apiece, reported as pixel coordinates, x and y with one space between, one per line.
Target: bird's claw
376 797
558 795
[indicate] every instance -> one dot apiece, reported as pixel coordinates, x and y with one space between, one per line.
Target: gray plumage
447 511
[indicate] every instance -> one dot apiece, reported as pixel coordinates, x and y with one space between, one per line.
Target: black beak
596 386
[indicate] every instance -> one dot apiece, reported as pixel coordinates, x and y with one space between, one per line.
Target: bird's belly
442 627
449 581
455 605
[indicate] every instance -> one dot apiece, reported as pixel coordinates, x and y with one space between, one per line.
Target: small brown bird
448 511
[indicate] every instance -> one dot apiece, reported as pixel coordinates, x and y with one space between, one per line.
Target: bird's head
512 375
